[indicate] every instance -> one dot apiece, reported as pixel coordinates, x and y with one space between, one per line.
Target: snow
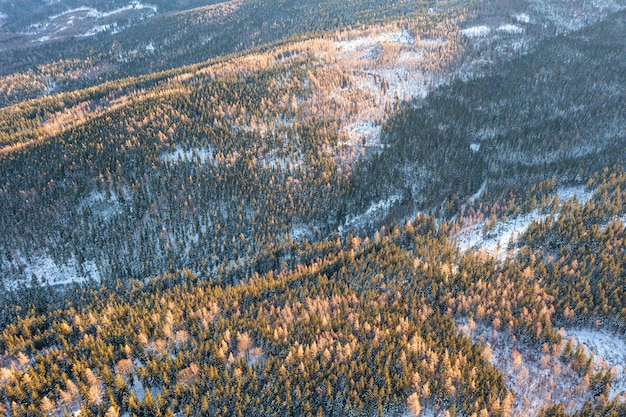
150 47
133 6
364 130
475 147
299 231
96 14
476 31
369 42
89 10
201 155
478 193
497 240
580 193
609 347
426 412
573 15
510 29
96 29
384 65
378 209
521 17
105 206
48 271
538 380
62 24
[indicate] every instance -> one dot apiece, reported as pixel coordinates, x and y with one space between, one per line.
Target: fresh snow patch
497 240
510 29
610 348
88 10
105 206
478 193
300 230
574 15
96 14
133 6
46 270
201 155
521 17
580 193
538 380
476 31
377 209
403 37
365 131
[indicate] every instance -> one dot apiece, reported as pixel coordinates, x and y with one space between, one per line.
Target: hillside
314 208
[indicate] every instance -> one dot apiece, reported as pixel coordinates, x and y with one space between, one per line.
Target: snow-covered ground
201 155
497 240
609 351
368 43
364 131
476 31
569 15
384 65
521 17
538 378
510 29
47 271
478 192
87 21
376 210
101 205
96 14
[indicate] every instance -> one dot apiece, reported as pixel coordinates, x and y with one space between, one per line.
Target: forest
271 225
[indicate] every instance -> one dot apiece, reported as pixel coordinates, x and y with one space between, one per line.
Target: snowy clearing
497 240
521 18
537 378
96 14
385 65
476 31
367 42
376 210
605 347
47 271
201 155
101 205
512 29
364 131
478 193
573 15
299 231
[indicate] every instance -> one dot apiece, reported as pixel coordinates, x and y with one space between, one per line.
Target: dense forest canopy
316 208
